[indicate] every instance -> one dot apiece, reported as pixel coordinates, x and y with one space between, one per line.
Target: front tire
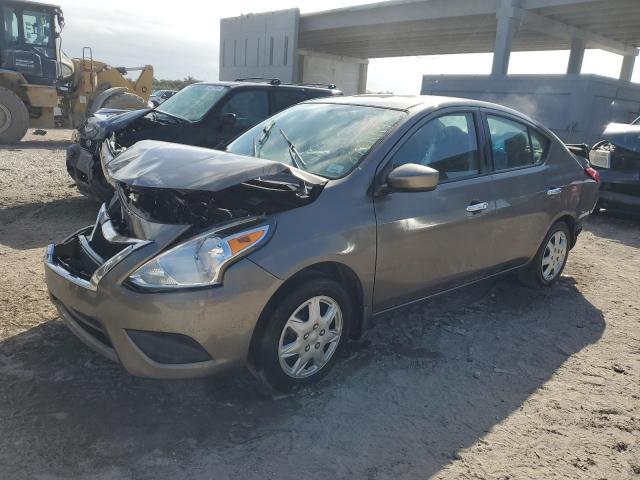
303 336
547 266
14 117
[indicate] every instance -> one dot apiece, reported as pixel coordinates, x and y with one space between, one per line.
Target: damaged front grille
87 255
204 208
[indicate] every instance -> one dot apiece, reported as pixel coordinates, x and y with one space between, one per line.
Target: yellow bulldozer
40 87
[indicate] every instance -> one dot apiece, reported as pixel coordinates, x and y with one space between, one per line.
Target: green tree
163 84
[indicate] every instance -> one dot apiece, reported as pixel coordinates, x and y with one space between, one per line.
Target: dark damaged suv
617 157
202 114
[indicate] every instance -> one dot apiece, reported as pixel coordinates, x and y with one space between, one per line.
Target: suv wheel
548 264
304 334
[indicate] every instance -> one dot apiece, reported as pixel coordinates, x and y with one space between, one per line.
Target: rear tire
547 266
14 117
303 335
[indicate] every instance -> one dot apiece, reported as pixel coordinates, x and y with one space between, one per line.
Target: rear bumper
155 334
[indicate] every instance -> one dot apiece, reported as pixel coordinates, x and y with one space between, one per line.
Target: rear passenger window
539 145
509 143
447 143
282 99
515 145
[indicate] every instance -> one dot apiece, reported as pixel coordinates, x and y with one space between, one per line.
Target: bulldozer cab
28 40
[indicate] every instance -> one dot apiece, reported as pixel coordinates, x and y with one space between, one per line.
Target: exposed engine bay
260 197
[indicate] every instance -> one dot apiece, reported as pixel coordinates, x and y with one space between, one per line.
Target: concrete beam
558 29
529 4
626 71
393 12
576 56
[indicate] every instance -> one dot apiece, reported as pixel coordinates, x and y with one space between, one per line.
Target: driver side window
249 106
447 144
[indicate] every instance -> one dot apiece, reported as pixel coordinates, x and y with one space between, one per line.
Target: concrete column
362 82
576 56
506 29
627 67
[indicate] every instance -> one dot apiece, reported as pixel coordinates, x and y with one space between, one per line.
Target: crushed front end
139 286
177 334
617 158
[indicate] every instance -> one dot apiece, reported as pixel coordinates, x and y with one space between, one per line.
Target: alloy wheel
554 256
310 337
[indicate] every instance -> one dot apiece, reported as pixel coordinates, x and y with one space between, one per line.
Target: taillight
593 173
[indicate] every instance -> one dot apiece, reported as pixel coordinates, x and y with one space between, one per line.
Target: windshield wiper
266 131
296 158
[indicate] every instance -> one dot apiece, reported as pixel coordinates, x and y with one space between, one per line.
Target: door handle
476 207
554 191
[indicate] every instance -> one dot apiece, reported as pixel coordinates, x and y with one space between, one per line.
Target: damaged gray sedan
276 252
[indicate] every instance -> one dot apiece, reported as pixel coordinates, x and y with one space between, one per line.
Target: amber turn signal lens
244 241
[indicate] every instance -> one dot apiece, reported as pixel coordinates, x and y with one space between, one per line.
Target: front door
431 241
250 106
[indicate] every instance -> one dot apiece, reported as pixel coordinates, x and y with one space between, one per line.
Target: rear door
527 196
431 241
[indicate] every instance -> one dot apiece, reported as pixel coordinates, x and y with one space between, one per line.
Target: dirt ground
493 382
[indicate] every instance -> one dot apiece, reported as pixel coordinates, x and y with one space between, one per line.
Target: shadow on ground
426 382
615 225
36 144
33 225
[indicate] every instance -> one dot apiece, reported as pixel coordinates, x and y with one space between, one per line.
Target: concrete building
334 47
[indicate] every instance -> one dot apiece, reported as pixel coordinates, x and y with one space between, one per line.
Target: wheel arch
571 224
339 272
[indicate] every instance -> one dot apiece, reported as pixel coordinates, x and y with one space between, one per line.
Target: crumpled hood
154 164
106 121
623 135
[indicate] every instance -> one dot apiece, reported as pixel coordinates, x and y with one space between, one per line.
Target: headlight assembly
106 155
198 262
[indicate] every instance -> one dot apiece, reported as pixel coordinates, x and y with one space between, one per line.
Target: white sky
181 38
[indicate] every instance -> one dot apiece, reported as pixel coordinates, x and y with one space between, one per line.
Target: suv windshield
325 139
193 102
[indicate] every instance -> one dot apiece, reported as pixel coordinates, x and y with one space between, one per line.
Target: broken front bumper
84 168
176 334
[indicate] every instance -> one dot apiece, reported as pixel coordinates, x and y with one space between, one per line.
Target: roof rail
271 81
331 86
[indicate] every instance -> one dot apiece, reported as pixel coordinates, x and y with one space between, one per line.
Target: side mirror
228 119
413 177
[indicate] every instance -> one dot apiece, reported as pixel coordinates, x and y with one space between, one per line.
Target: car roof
417 103
245 83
